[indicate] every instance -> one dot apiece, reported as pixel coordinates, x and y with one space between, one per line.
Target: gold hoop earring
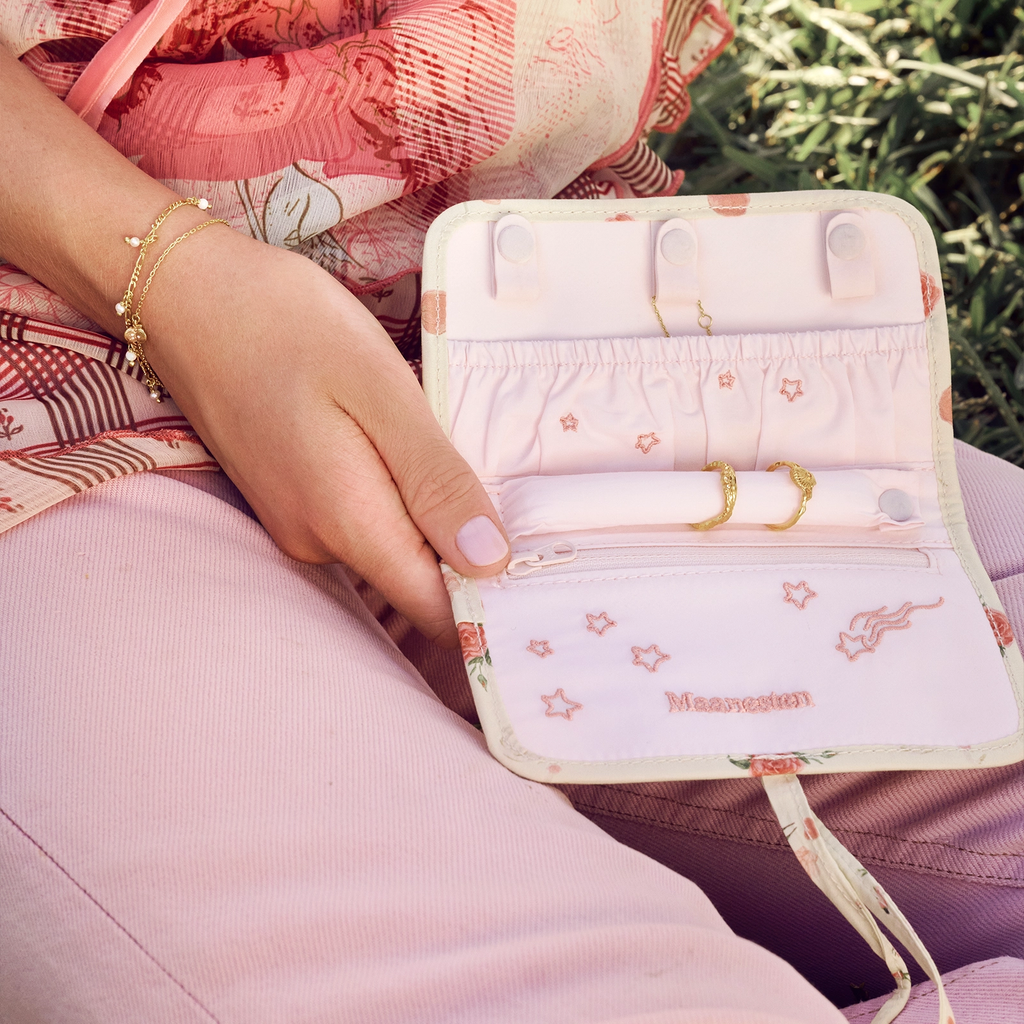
728 492
804 479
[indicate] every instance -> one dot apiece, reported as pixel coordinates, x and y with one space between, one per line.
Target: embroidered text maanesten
749 705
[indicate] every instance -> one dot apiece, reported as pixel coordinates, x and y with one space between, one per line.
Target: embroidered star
792 389
560 706
798 594
726 380
540 647
638 657
569 422
645 442
854 646
599 624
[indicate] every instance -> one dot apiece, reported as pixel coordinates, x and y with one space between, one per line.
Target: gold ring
804 479
728 491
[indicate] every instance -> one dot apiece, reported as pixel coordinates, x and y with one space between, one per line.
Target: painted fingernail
481 542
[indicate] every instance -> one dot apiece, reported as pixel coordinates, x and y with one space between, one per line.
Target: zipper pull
553 554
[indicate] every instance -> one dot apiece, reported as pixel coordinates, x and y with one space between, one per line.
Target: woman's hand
288 379
311 410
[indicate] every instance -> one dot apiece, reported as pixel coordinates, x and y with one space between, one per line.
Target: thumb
438 487
447 502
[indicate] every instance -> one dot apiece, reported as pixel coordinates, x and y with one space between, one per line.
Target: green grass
924 101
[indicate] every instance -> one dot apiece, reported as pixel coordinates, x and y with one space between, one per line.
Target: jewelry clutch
717 431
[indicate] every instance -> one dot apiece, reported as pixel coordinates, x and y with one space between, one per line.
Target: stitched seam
843 830
928 842
701 572
601 811
110 917
767 843
592 210
699 361
719 759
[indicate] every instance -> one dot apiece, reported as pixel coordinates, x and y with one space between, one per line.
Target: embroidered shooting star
875 625
853 646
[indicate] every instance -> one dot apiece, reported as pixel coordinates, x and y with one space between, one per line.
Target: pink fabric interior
591 432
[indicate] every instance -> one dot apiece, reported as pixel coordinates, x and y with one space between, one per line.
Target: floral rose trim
779 764
1000 627
453 584
475 652
930 293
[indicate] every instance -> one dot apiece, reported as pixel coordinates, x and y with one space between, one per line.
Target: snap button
896 504
678 247
515 243
846 241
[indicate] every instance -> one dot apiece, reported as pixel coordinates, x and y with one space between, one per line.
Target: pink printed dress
338 129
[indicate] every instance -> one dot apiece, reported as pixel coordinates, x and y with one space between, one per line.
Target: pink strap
118 57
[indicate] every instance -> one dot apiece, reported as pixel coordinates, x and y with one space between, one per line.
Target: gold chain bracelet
134 333
143 244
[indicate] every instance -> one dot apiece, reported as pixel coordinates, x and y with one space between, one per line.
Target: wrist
68 198
131 305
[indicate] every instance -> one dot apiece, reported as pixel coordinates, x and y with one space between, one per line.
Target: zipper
554 554
564 557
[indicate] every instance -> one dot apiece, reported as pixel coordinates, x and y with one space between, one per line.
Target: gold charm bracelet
135 333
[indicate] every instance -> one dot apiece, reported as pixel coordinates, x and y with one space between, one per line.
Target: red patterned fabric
339 129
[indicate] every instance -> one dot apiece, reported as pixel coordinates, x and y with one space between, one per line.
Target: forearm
68 199
289 380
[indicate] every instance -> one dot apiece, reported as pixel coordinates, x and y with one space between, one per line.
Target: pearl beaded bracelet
135 334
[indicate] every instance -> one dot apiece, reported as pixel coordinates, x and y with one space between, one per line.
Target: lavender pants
226 796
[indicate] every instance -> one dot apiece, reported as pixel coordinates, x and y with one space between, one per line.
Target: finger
449 504
349 510
442 493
